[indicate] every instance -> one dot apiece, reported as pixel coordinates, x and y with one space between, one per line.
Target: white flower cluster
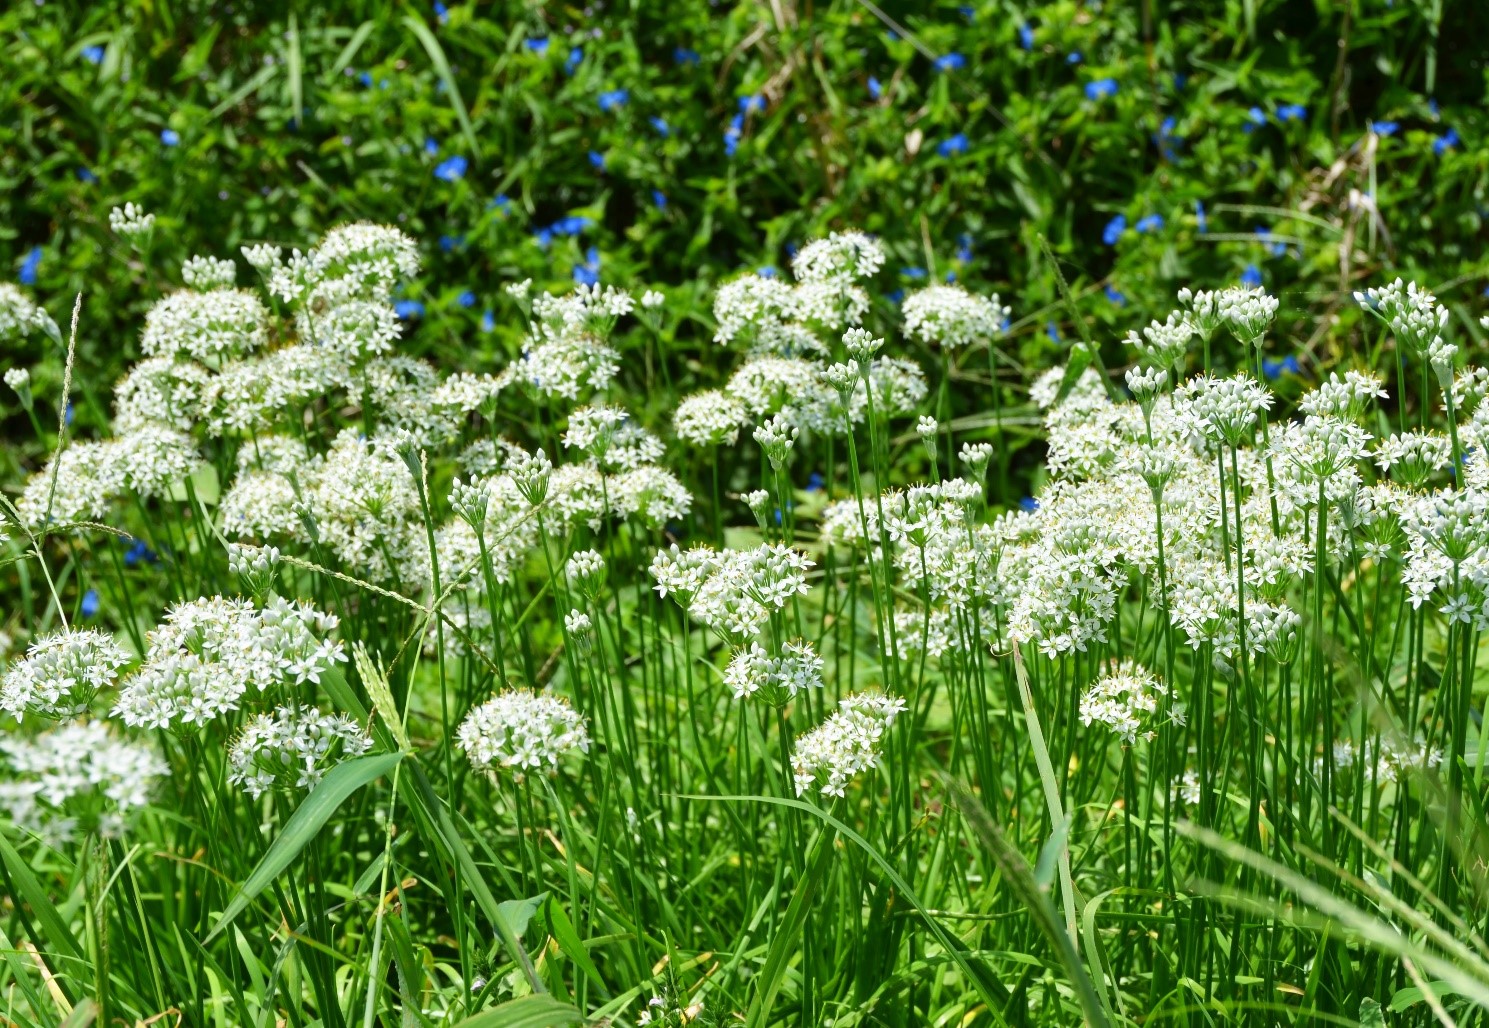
209 652
520 731
211 327
1123 699
20 315
831 755
61 673
130 221
292 748
950 317
76 778
734 592
753 670
1415 316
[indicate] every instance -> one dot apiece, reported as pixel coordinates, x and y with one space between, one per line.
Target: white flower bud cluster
844 746
292 748
521 731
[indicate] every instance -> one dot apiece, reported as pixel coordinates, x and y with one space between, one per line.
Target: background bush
679 143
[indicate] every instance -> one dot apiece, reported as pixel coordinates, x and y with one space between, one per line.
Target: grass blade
339 783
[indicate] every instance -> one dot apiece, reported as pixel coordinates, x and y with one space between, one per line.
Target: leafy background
958 133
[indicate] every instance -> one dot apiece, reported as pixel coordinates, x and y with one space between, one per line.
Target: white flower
292 748
521 730
210 327
76 778
1122 699
831 755
709 418
130 221
60 674
20 316
778 678
950 317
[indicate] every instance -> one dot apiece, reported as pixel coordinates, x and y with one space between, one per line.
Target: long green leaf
527 1012
58 935
442 66
342 780
786 941
992 991
1020 877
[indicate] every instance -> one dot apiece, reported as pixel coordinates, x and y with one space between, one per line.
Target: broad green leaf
527 1012
333 790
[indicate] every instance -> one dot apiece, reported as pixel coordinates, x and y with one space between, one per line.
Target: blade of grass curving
442 66
1093 352
339 783
786 941
527 1012
1469 977
1020 878
349 52
28 889
992 991
293 67
1050 784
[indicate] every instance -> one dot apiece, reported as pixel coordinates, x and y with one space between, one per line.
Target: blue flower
964 248
588 272
875 89
538 46
89 604
953 146
441 12
766 271
1276 369
94 54
501 202
431 145
32 260
1115 295
466 299
1384 128
732 135
660 124
86 175
814 482
1276 249
1199 217
968 12
1292 112
913 273
1180 81
1149 223
1445 142
1029 504
1026 36
409 309
613 98
451 169
571 62
951 276
365 78
1251 278
950 62
488 322
572 225
1053 331
659 198
1432 107
1074 57
449 244
69 413
597 160
1101 89
137 552
1254 117
750 104
1114 230
682 55
170 137
895 295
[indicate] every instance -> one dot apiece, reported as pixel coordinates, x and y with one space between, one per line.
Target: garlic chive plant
755 698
